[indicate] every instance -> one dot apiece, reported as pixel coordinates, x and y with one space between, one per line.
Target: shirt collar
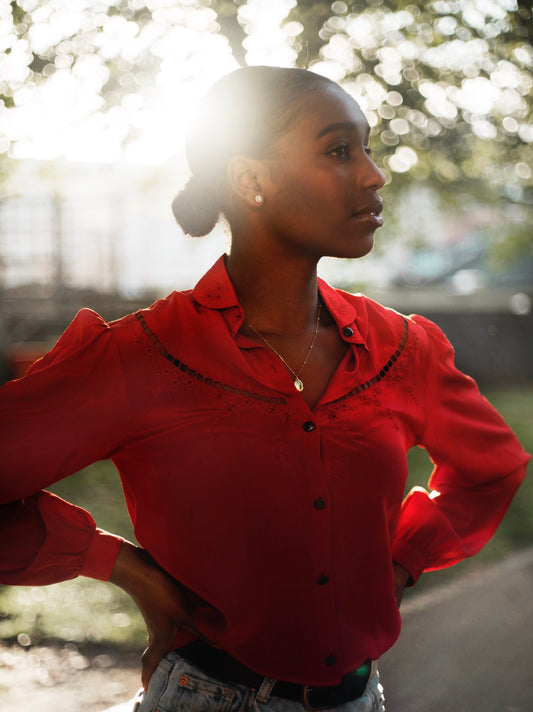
215 291
343 311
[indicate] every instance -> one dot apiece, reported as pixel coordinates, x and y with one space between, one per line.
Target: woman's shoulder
89 327
158 312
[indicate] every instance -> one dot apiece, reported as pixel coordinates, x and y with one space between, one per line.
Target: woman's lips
371 213
372 218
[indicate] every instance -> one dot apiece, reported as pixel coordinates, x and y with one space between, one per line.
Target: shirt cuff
421 526
101 555
410 558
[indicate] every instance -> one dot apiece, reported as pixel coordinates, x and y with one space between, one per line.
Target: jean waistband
222 665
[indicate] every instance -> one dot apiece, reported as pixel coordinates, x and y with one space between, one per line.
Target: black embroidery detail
386 368
198 376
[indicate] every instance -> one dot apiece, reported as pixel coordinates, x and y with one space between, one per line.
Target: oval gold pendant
298 384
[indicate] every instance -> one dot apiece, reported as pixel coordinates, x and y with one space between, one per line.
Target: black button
308 426
330 660
319 503
347 331
323 580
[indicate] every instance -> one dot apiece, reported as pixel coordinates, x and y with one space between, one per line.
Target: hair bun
196 208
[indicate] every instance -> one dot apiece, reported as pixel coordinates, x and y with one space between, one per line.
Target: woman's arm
71 409
162 601
46 540
401 580
479 465
74 547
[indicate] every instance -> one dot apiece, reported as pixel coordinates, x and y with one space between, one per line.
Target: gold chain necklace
298 383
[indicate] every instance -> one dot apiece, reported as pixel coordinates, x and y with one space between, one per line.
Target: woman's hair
244 113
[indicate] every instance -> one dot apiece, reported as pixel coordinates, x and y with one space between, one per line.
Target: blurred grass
88 611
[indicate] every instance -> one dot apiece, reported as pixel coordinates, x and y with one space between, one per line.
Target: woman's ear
244 180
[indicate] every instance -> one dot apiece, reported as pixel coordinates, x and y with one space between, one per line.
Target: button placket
326 625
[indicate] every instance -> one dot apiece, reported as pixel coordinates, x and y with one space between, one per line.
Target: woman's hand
160 599
401 579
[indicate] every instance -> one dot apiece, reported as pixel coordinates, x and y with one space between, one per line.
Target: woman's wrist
402 578
133 567
140 576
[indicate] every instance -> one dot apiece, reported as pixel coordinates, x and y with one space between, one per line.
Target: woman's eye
342 152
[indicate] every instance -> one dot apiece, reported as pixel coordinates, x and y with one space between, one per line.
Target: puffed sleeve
70 410
478 466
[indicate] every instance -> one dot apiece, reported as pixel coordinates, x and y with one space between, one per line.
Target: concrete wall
490 347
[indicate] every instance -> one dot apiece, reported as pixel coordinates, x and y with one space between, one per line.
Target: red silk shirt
282 521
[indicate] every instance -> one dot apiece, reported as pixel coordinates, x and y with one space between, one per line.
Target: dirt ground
466 646
65 679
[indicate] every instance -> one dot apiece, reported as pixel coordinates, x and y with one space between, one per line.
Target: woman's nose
374 177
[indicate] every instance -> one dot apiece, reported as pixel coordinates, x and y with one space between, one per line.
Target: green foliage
414 64
227 19
510 242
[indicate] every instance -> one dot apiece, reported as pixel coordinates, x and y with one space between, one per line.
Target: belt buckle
307 703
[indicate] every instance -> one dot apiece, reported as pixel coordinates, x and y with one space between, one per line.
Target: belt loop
265 690
373 670
137 700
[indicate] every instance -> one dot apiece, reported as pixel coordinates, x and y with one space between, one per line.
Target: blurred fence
49 240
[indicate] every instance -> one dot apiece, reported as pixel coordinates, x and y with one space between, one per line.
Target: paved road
467 646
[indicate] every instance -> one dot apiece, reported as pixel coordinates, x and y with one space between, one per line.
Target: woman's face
320 196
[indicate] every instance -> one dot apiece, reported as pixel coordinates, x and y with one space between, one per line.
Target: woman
260 424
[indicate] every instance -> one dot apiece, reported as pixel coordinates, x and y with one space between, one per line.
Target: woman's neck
278 296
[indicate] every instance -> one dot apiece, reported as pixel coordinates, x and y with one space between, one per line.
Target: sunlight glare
65 115
267 42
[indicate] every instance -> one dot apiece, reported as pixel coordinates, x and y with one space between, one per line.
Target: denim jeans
179 686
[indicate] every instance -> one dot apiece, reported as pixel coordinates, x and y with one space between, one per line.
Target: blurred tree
446 84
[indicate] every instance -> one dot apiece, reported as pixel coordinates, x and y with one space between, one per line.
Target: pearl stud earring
259 199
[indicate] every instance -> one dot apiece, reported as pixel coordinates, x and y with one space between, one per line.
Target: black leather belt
222 665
